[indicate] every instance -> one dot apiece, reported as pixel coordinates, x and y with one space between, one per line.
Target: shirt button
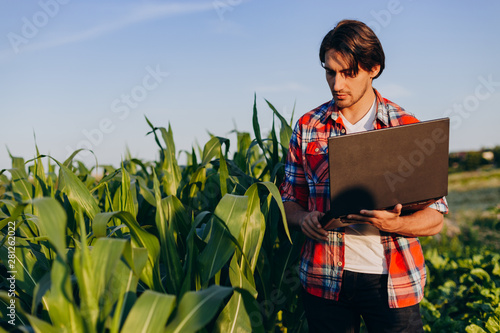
316 150
342 131
339 263
339 235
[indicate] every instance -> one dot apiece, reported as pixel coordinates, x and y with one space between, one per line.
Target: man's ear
374 71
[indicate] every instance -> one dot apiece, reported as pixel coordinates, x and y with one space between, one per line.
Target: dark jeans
361 295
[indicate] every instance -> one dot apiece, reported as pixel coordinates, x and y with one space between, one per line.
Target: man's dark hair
357 44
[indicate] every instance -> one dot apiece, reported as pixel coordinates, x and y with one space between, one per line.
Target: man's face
348 91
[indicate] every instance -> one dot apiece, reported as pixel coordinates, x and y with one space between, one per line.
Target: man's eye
349 73
330 73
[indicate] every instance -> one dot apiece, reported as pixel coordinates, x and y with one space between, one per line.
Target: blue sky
83 74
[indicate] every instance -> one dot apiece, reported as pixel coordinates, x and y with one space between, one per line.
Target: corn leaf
211 150
18 163
30 266
140 238
40 326
126 196
230 215
63 310
256 126
252 233
192 253
273 190
69 160
40 179
234 316
199 178
20 184
146 192
172 175
219 249
125 281
166 230
196 309
14 209
52 223
223 174
95 273
285 130
18 315
77 192
150 313
41 288
232 210
170 243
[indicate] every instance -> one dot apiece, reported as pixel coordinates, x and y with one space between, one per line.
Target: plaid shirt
307 183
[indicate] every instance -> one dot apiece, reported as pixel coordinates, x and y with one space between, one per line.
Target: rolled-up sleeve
294 187
441 206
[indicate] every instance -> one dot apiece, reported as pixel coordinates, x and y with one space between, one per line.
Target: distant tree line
474 160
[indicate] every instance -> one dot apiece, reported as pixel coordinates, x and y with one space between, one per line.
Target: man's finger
312 232
367 212
397 209
315 219
356 217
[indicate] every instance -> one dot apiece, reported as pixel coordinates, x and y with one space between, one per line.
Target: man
374 269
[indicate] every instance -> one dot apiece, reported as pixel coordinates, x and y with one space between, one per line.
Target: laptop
378 169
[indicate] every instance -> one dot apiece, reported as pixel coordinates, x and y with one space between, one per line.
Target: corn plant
151 246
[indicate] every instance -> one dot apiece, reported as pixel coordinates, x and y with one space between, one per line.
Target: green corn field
202 247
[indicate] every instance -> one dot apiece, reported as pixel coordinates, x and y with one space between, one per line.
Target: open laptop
378 169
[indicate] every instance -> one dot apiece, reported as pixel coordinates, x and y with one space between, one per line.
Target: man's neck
354 113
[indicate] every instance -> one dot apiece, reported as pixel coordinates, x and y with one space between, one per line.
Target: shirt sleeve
441 206
294 187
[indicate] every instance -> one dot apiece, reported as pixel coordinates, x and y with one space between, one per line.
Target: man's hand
385 220
310 226
424 222
308 222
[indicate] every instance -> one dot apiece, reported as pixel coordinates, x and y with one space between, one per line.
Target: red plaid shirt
307 183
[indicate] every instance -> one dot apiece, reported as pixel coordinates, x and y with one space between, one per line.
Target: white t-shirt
364 252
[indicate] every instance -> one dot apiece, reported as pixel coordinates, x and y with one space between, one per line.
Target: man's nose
338 82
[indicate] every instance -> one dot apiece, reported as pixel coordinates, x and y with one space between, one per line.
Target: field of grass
474 202
474 190
463 287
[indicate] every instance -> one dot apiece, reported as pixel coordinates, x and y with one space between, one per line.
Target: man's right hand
310 226
308 222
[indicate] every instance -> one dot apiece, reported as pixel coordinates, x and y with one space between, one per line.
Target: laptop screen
378 169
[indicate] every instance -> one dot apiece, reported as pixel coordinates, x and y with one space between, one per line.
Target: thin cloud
136 14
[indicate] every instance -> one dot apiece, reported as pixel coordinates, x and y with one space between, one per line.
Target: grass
475 191
474 202
473 180
462 290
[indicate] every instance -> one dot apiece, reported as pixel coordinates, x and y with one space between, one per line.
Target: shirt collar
382 114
